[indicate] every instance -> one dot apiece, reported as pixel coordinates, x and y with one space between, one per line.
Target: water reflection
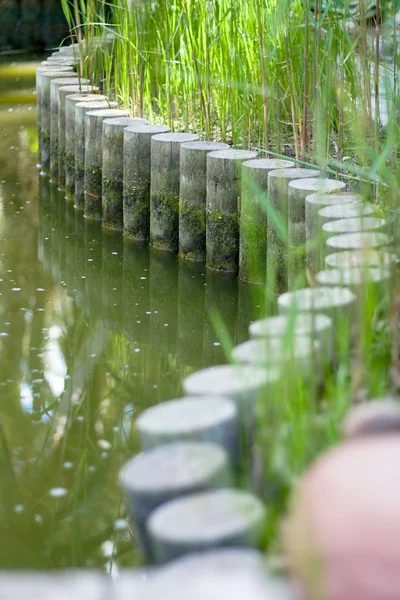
92 331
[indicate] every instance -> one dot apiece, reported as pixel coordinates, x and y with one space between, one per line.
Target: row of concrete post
237 212
202 199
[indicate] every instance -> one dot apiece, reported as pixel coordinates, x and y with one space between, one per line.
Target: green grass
278 77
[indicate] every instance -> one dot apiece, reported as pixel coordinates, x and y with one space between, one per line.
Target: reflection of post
191 292
163 301
80 266
251 306
44 223
60 237
112 279
54 207
136 298
70 239
93 260
221 299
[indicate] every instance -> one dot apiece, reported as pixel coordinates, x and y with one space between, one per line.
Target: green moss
112 202
164 222
222 241
93 187
253 250
137 211
79 183
192 231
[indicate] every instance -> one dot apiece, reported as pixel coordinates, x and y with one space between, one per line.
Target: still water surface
92 331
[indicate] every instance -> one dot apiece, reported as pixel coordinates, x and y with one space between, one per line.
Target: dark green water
92 331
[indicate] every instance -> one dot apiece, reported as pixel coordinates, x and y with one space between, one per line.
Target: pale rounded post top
93 104
174 466
234 573
205 146
229 380
58 73
122 122
65 80
347 211
352 276
108 112
358 241
371 417
359 258
320 184
175 138
316 299
76 98
207 516
270 164
186 415
232 154
275 351
293 173
148 129
354 225
296 324
328 199
46 68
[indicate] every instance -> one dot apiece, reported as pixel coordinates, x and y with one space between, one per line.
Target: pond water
92 331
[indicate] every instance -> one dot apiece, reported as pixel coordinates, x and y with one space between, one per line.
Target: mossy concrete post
298 190
44 68
90 191
362 241
277 225
245 384
192 418
54 105
137 174
345 211
314 241
204 521
164 189
47 78
113 173
353 225
360 258
81 110
63 92
70 135
154 478
223 207
192 198
253 217
362 281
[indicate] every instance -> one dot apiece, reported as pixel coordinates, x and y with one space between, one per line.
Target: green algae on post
63 93
113 171
136 176
47 77
94 158
278 221
253 217
70 136
192 198
164 191
223 202
54 109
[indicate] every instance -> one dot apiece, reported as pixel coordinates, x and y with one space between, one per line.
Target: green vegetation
287 78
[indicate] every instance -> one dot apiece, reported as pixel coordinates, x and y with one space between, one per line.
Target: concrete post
192 198
164 194
223 207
